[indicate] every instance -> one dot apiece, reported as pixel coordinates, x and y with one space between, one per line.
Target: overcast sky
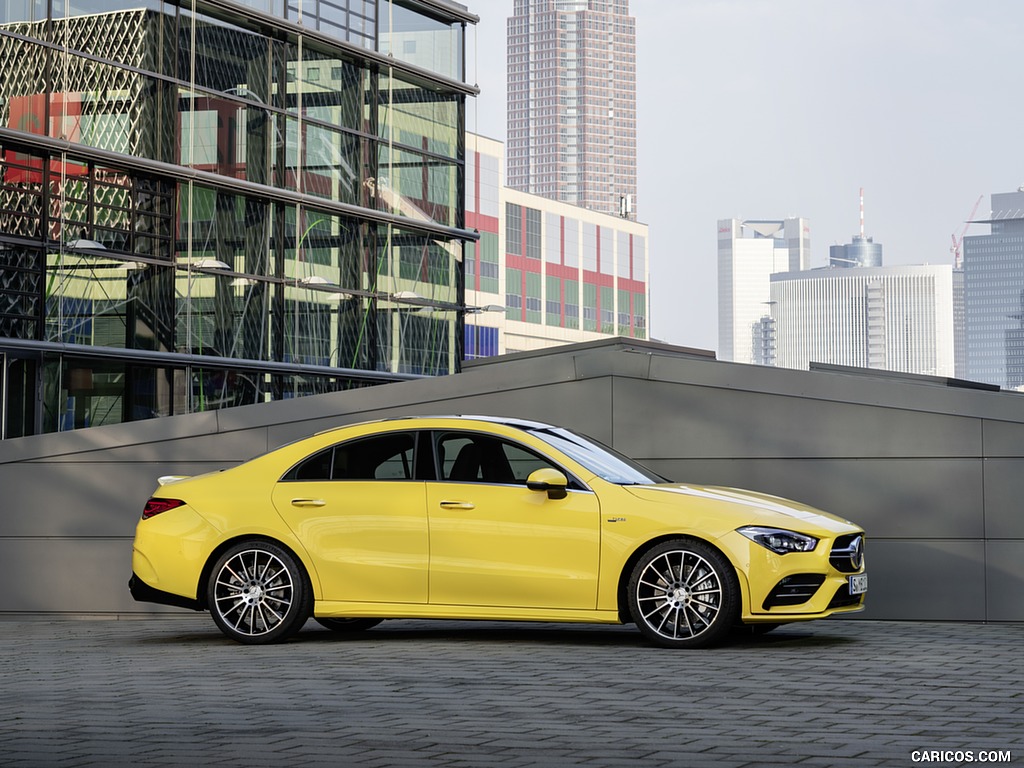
775 108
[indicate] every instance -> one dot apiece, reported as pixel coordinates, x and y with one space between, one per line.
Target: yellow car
484 518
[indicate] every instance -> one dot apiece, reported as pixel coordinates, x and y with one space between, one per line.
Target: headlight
779 541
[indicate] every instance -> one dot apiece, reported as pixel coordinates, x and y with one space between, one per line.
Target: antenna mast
862 213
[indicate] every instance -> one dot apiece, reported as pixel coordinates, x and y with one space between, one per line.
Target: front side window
601 460
465 457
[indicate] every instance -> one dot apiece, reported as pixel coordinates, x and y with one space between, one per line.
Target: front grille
794 590
843 598
847 554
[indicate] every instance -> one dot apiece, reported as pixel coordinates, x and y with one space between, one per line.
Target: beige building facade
546 272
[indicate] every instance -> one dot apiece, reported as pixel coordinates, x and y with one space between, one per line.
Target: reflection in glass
418 39
162 260
23 10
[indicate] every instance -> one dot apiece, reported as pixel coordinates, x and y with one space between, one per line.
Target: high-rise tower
572 102
993 295
749 253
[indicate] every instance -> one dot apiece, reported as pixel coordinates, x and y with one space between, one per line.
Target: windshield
599 459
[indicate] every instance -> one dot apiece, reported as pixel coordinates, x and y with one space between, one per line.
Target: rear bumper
143 593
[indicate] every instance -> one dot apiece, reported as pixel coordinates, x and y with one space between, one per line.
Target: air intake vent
794 590
843 598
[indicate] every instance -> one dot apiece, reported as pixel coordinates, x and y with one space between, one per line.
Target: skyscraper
572 102
994 295
749 252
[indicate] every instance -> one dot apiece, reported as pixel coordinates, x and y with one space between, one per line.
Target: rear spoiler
171 479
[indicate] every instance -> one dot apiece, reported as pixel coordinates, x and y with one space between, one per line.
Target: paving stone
174 692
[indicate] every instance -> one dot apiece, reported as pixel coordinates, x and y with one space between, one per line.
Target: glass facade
993 289
209 204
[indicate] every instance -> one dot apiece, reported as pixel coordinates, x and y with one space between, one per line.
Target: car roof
508 421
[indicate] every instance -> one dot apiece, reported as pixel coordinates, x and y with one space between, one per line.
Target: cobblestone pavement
174 692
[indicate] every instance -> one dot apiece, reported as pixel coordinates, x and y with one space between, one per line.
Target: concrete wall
934 473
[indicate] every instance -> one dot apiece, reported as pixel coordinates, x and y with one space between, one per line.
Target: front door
494 542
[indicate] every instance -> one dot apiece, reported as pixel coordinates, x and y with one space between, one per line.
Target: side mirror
550 480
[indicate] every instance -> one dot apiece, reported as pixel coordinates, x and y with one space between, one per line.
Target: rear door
360 513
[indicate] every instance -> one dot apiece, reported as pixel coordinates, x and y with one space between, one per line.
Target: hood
764 509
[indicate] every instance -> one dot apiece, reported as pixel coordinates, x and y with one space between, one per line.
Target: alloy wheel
682 595
256 594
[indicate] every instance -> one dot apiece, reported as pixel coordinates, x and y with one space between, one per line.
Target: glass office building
994 295
211 203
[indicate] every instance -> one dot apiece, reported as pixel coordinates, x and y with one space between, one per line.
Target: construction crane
956 248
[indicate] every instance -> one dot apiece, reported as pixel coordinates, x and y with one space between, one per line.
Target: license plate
858 584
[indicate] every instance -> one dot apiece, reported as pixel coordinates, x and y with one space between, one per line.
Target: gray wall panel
75 576
685 421
1005 580
1004 498
107 438
926 580
857 386
1004 438
80 500
525 371
627 365
222 447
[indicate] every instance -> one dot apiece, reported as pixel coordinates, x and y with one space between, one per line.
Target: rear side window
383 457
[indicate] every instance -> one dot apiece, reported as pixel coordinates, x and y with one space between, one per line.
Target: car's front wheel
683 594
257 593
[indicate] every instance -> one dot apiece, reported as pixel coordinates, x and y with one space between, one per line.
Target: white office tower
890 318
749 253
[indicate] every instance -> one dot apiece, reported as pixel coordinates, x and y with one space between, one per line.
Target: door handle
309 503
457 505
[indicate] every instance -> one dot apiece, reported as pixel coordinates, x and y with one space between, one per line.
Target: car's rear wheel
258 593
347 625
683 594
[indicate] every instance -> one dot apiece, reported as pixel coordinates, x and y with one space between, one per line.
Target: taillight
156 506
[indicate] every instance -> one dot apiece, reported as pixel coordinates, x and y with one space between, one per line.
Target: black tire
347 625
683 594
258 593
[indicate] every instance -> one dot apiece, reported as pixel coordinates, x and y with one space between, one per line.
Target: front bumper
799 585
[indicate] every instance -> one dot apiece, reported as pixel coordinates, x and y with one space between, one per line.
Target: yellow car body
380 520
